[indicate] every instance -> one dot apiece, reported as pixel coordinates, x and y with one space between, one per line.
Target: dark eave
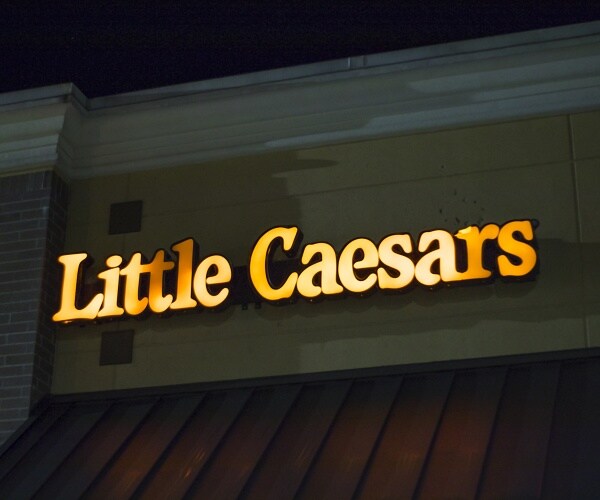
514 429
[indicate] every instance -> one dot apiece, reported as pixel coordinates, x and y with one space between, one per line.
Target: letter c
259 274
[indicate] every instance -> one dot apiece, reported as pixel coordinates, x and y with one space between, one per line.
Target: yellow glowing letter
347 265
519 249
132 302
68 311
400 263
185 252
158 302
111 287
259 275
202 278
476 239
326 267
445 254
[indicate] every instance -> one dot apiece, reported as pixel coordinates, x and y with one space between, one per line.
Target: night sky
149 44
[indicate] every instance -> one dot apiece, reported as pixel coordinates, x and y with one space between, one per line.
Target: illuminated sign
473 254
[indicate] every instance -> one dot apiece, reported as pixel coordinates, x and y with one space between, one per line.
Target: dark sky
150 44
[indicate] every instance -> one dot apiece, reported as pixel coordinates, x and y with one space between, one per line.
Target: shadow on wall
557 290
558 283
379 329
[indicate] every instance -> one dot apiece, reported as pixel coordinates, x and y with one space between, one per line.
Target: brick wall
32 227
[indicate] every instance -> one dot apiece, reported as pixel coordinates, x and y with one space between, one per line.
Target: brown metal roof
520 430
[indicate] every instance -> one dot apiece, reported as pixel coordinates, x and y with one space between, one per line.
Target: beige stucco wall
546 169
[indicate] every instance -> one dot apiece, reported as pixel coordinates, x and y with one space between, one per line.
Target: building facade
473 133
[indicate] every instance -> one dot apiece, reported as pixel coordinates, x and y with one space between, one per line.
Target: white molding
32 125
459 84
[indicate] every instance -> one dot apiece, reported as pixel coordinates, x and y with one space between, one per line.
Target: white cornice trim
458 84
32 126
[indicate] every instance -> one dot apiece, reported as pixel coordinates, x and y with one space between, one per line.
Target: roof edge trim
508 77
316 377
